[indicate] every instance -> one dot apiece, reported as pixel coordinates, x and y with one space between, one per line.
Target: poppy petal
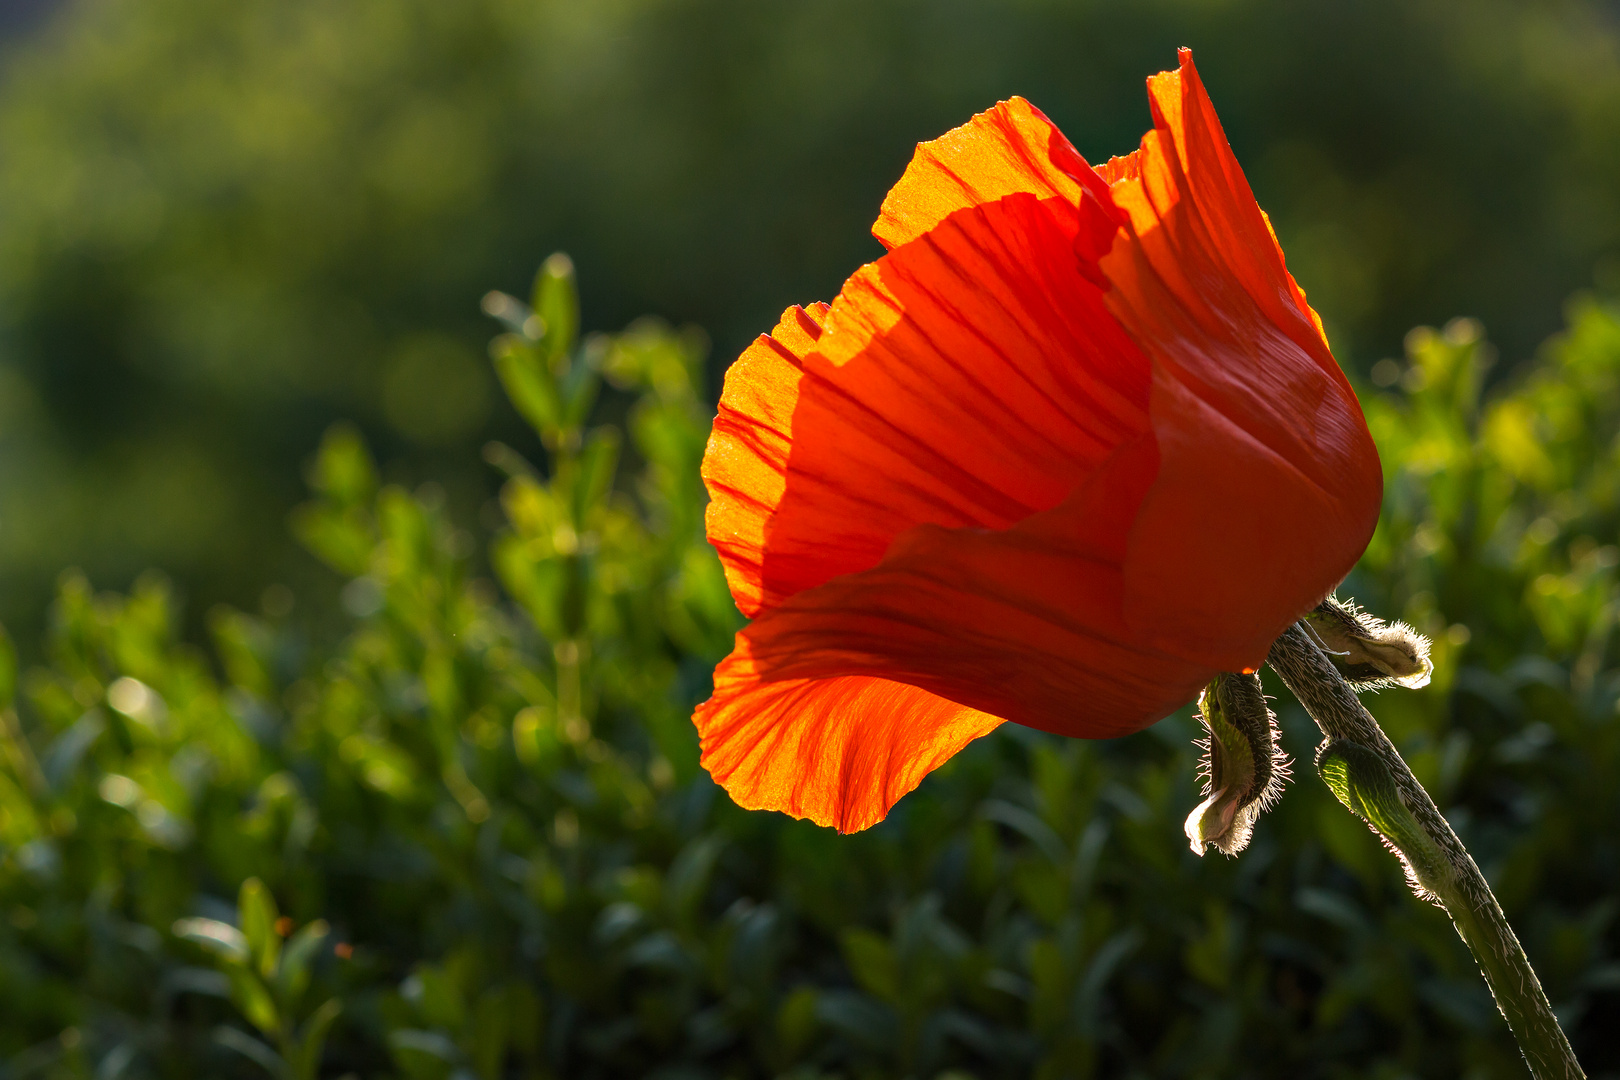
970 378
839 751
1024 624
745 465
1266 458
1120 168
1008 150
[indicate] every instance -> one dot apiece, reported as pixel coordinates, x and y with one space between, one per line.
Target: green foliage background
436 812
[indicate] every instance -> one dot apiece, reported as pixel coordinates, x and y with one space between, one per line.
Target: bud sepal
1243 767
1369 653
1362 781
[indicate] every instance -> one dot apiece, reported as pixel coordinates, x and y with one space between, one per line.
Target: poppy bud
1361 780
1243 767
1368 652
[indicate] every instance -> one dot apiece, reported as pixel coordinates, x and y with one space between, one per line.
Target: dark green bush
472 839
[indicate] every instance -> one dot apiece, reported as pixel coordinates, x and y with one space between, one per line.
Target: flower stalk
1365 771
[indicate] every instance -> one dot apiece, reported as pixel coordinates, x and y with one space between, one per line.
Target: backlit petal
1012 149
1026 623
1270 484
745 466
839 751
1023 624
970 378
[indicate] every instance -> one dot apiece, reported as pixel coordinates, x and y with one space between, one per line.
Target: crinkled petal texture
1072 446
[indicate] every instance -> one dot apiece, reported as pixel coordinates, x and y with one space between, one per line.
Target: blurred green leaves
338 528
266 982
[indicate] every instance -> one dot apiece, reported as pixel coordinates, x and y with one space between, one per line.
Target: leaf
292 975
439 996
688 877
1038 832
859 1018
256 910
423 1055
598 462
512 313
341 538
1088 996
197 980
342 470
796 1023
540 583
250 1048
63 756
252 997
579 388
306 1059
381 765
220 938
535 738
872 961
556 302
528 382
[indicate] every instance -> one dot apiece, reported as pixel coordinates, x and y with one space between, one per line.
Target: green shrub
472 840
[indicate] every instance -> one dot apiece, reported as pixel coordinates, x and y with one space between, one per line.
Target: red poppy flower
1074 445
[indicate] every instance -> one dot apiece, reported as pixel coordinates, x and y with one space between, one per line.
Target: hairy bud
1243 767
1362 781
1368 652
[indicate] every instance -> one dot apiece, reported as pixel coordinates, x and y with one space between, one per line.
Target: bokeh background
439 709
223 227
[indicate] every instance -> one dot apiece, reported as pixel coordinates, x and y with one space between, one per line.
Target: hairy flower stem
1366 772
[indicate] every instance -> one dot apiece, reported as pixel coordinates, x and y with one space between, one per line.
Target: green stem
1437 864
